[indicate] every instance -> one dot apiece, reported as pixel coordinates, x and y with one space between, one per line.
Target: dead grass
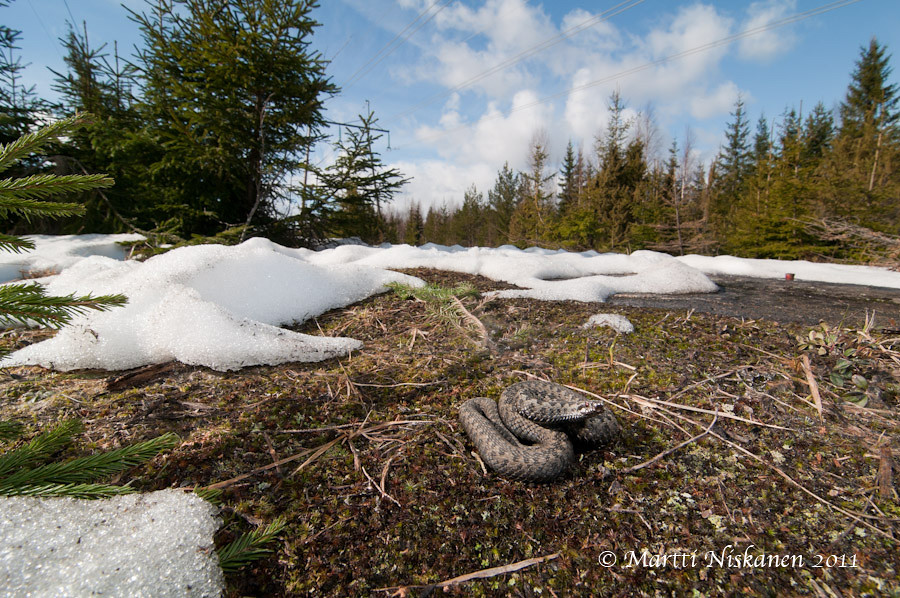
724 445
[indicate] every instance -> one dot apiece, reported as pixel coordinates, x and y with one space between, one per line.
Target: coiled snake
526 436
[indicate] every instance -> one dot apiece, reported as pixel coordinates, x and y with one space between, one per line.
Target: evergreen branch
39 448
17 192
15 244
212 495
249 547
85 469
87 491
10 430
30 143
27 303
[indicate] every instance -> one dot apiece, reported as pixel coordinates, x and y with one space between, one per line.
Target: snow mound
801 269
615 321
53 254
550 275
158 544
209 305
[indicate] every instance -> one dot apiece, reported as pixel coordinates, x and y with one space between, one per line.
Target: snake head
587 408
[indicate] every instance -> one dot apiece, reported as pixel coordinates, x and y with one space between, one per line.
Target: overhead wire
398 40
701 48
527 53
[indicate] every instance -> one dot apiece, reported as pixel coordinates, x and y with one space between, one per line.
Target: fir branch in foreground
19 194
76 476
27 303
32 142
40 448
86 491
249 547
15 244
86 469
10 430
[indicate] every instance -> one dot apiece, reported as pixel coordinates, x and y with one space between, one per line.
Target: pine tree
234 91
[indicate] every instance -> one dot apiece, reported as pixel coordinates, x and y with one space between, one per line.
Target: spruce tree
234 92
531 222
468 224
502 200
863 181
568 179
732 168
358 183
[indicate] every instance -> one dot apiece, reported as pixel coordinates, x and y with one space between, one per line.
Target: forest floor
758 454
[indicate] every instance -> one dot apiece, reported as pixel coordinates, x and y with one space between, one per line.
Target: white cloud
719 101
766 45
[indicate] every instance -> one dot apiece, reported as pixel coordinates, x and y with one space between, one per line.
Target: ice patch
158 544
615 321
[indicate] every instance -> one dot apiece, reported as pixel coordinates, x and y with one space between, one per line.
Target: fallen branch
402 591
813 385
673 449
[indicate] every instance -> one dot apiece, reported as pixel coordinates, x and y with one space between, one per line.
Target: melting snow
155 544
223 307
614 321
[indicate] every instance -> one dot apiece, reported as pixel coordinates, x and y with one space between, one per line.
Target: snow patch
615 321
54 253
212 305
157 544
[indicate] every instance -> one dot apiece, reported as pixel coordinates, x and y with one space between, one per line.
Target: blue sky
472 86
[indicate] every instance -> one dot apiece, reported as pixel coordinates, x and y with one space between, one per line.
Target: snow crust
158 544
615 321
224 307
53 253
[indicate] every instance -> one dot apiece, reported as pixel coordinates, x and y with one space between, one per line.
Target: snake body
529 434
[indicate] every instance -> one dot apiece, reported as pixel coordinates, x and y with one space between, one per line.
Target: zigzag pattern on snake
528 434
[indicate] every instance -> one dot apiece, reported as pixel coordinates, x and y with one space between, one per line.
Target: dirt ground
758 455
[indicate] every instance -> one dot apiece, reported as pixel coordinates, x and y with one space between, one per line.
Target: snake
531 432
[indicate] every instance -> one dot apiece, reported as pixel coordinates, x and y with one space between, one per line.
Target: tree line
207 129
813 185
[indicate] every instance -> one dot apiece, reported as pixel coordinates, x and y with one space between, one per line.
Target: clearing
383 496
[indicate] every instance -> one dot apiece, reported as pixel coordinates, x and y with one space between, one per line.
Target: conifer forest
207 131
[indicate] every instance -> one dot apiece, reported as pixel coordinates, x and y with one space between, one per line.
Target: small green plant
29 469
444 304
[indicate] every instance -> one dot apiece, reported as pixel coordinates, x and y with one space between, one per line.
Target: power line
702 48
398 39
544 45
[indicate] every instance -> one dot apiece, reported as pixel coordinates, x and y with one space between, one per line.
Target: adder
529 434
